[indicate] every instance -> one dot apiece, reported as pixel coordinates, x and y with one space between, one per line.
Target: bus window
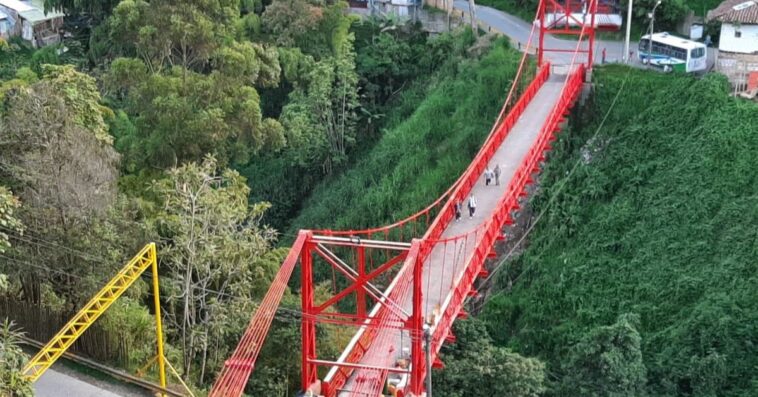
697 52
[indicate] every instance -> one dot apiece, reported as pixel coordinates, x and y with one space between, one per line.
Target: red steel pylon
567 17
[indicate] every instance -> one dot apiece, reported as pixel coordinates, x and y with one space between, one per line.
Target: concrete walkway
446 261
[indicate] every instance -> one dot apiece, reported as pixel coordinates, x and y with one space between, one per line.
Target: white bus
673 53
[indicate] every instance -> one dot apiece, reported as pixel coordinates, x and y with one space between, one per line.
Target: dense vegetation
639 279
395 68
444 132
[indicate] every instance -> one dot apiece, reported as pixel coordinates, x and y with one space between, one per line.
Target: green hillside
641 277
420 157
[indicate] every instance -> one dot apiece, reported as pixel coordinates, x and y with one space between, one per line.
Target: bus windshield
697 52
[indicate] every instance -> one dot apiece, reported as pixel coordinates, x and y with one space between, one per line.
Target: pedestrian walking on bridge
471 205
487 176
457 211
497 174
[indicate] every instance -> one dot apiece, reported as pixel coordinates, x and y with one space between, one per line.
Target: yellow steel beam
94 309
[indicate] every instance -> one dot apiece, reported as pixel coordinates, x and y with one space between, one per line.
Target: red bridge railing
506 207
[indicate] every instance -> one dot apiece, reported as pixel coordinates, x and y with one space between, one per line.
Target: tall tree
56 152
320 117
181 116
292 22
213 245
168 33
191 90
607 361
477 368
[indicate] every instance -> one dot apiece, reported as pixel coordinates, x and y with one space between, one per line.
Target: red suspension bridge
409 280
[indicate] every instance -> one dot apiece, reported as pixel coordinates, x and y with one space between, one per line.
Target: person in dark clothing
457 211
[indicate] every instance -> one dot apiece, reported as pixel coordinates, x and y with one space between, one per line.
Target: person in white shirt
471 205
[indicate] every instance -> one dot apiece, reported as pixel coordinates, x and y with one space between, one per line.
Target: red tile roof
742 11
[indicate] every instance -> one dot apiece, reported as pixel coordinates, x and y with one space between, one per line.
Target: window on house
737 34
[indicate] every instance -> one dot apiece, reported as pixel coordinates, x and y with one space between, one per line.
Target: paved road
56 384
447 259
518 30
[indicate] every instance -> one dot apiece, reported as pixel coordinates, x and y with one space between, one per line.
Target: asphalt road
56 384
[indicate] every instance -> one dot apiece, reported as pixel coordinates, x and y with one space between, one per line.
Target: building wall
747 44
13 23
46 33
737 67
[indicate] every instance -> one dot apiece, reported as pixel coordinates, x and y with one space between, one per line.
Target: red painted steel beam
357 348
554 8
308 374
361 282
377 295
236 371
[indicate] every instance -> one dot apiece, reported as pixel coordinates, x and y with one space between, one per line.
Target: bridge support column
360 293
309 375
418 359
541 17
593 11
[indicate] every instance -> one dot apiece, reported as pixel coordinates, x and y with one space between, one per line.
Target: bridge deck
446 260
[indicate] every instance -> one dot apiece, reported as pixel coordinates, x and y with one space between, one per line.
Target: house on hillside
738 42
27 18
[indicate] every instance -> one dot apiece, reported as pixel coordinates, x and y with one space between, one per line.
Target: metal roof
666 38
16 5
742 11
32 11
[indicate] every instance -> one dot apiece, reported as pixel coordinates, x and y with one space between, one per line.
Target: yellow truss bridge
146 258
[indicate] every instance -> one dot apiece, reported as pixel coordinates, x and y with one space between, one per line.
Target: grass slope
662 222
417 160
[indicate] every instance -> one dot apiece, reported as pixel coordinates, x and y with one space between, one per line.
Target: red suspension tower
568 17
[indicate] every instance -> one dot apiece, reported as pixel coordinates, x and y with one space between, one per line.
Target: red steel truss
379 268
566 23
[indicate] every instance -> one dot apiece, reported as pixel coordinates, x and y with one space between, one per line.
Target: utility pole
652 26
626 57
474 21
428 350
